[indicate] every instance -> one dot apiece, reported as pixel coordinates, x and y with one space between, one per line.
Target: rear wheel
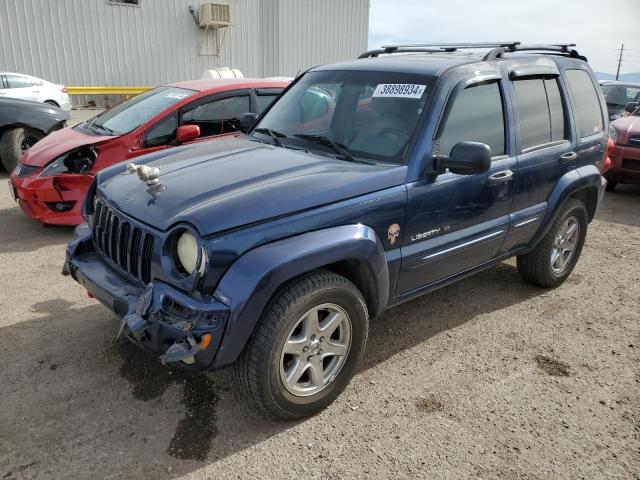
611 185
306 346
14 143
557 253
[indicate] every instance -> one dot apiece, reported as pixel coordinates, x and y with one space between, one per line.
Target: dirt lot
488 378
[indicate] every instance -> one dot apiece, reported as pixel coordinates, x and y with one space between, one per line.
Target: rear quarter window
586 103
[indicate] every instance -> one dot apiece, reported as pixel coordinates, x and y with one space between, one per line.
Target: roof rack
498 49
434 47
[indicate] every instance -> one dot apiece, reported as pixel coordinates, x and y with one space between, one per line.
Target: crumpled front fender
253 278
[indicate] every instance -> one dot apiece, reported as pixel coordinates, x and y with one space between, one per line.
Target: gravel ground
488 378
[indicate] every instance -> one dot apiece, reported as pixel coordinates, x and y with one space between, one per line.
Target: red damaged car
53 176
625 157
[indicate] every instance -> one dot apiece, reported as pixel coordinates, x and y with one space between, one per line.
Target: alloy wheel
316 349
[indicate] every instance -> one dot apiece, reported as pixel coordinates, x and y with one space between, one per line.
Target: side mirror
247 120
631 107
466 158
186 133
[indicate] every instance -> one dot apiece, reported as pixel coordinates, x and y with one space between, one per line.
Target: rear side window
587 105
475 116
540 112
16 81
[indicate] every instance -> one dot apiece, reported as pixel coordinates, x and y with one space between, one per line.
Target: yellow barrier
126 91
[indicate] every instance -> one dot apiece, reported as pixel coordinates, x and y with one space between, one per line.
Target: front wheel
14 143
556 255
306 346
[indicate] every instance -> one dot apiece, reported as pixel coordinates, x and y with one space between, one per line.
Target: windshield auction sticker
402 90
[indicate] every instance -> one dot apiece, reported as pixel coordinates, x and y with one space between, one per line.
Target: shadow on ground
18 233
615 206
77 403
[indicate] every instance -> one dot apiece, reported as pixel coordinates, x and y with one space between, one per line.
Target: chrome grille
125 244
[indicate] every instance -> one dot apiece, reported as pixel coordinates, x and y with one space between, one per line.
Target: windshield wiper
336 147
275 135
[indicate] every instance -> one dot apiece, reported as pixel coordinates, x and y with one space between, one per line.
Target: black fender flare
252 279
583 179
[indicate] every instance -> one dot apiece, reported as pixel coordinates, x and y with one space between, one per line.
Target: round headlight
187 250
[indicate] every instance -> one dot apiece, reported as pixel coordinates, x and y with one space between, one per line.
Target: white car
26 87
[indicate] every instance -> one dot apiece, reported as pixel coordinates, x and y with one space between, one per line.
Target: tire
14 143
51 102
538 266
263 367
611 185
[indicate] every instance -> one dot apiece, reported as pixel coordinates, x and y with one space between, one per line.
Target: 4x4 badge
393 232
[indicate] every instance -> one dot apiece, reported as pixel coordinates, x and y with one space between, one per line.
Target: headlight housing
186 254
613 134
79 161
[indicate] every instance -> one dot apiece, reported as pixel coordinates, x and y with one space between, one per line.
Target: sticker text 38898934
401 90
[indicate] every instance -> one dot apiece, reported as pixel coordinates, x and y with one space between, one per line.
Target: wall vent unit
214 15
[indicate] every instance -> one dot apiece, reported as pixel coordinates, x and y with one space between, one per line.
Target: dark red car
53 176
625 158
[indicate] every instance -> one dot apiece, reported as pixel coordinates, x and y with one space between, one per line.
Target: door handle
568 157
500 177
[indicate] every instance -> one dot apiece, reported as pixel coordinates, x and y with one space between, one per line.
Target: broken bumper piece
159 318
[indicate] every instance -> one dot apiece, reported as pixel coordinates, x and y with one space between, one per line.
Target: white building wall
97 43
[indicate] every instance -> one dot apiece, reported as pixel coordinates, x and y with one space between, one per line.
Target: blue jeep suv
366 184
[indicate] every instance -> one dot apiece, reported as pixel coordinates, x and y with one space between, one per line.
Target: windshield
129 115
349 114
620 95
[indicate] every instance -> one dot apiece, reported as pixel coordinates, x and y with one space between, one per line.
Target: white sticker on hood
402 90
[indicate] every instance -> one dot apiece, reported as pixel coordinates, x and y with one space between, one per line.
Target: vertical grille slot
123 244
147 249
106 237
114 232
134 252
120 241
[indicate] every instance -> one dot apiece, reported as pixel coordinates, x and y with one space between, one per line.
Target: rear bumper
38 197
156 316
625 165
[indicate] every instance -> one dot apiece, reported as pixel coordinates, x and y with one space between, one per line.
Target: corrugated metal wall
97 43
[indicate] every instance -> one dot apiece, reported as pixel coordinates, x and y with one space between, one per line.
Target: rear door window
541 116
475 115
586 103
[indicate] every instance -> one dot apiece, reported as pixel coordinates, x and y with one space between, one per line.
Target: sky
598 27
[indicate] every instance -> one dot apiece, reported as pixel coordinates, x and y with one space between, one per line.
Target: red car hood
57 143
626 126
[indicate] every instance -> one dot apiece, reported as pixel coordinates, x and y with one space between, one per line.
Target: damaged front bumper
53 200
157 317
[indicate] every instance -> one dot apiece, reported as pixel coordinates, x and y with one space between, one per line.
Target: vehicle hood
41 116
626 126
57 143
226 183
